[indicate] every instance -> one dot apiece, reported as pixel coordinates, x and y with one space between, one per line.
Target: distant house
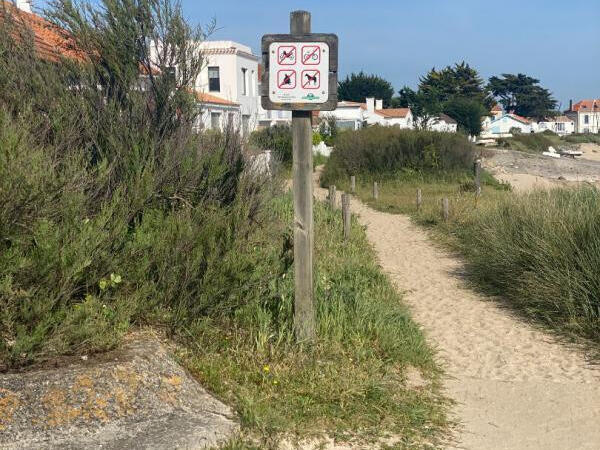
227 86
348 115
443 123
586 116
377 115
503 125
496 112
561 125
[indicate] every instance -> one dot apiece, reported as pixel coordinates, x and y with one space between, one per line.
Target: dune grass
352 383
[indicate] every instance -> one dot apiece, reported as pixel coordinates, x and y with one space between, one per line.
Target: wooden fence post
419 199
353 184
346 215
445 209
477 173
375 190
332 194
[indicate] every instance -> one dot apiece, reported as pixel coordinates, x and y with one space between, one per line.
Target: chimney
370 104
571 105
24 5
379 104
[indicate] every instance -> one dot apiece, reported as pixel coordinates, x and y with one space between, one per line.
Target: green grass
537 253
351 383
583 138
532 142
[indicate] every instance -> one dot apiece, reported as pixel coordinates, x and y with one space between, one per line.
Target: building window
215 120
245 124
586 119
244 81
560 126
214 81
252 84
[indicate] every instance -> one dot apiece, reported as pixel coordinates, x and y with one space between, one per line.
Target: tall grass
539 251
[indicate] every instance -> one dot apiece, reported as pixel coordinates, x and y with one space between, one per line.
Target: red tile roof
213 99
393 112
496 108
557 119
50 41
520 119
349 104
587 105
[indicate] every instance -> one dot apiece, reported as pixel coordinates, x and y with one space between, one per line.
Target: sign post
301 75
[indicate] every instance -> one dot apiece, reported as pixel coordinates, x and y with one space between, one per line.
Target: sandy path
516 387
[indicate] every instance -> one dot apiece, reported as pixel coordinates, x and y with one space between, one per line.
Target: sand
516 387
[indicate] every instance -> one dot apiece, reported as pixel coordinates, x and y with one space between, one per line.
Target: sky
556 41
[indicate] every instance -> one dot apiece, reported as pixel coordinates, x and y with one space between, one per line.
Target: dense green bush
385 151
531 142
541 252
278 139
112 211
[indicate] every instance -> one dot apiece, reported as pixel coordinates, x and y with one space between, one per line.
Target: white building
227 86
561 125
269 118
502 125
377 115
348 115
585 115
443 123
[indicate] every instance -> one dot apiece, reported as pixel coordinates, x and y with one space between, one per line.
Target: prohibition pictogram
311 55
286 79
311 79
286 55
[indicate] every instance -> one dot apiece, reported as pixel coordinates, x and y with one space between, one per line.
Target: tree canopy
358 86
523 95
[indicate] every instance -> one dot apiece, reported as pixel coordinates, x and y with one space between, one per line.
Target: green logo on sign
310 96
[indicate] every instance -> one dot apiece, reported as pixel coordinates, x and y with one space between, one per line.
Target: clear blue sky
557 41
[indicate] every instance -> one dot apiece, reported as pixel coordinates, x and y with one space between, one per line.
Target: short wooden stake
445 209
332 194
346 215
375 190
477 173
419 199
353 184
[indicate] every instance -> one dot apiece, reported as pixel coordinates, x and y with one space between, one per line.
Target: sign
300 72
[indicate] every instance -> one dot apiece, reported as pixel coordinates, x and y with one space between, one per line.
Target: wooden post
477 173
353 184
304 312
332 195
419 199
445 209
375 190
346 215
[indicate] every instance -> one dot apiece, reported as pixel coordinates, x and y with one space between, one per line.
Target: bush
583 138
541 252
278 139
531 142
385 151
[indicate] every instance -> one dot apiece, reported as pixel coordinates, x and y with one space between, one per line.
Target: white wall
593 125
561 128
504 124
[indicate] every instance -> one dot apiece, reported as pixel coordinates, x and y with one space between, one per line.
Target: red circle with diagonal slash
311 50
284 54
305 81
280 84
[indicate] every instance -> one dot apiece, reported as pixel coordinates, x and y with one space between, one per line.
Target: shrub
385 151
583 138
278 139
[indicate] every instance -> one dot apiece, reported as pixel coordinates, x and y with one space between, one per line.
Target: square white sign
299 72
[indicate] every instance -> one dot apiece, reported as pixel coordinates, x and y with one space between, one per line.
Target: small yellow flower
266 369
275 382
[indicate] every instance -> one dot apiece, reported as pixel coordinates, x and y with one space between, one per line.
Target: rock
135 398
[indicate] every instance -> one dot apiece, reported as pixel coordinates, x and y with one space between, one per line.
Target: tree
458 81
423 105
467 113
357 87
523 95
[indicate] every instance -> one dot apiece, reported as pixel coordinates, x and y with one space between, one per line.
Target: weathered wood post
346 215
300 75
419 199
304 311
332 195
353 184
445 209
477 174
375 190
